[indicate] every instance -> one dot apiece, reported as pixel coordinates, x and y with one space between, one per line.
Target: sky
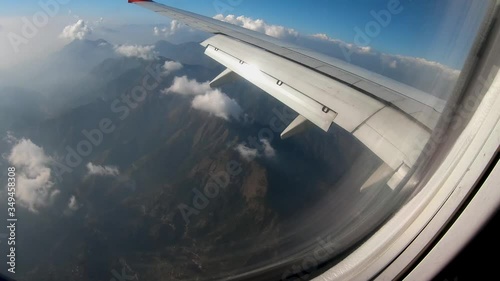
426 29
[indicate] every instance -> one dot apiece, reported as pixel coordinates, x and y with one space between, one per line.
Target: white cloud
365 49
10 138
137 51
72 207
79 31
184 86
250 154
35 189
426 75
321 36
247 153
175 26
171 66
206 99
259 25
332 42
97 170
157 30
166 31
217 103
421 62
103 44
73 204
269 151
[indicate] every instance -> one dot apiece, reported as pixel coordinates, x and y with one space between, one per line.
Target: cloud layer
35 188
78 31
259 25
206 99
137 51
98 170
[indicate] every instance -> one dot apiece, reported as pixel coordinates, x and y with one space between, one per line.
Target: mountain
82 55
19 109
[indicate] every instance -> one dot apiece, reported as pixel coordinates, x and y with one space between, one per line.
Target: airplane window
125 158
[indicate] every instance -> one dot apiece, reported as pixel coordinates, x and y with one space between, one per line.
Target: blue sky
426 28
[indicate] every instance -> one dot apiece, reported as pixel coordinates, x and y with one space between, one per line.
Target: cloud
10 138
269 151
428 76
157 31
73 204
103 44
79 30
321 36
137 51
72 207
259 25
184 86
166 31
206 99
97 170
217 103
171 66
35 189
249 154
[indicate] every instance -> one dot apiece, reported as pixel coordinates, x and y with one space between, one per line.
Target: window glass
129 166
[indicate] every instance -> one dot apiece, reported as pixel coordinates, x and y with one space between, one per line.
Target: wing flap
298 101
393 137
351 106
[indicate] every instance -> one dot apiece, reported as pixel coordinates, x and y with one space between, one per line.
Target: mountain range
166 152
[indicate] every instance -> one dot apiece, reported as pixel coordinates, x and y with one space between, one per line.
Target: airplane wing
393 120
